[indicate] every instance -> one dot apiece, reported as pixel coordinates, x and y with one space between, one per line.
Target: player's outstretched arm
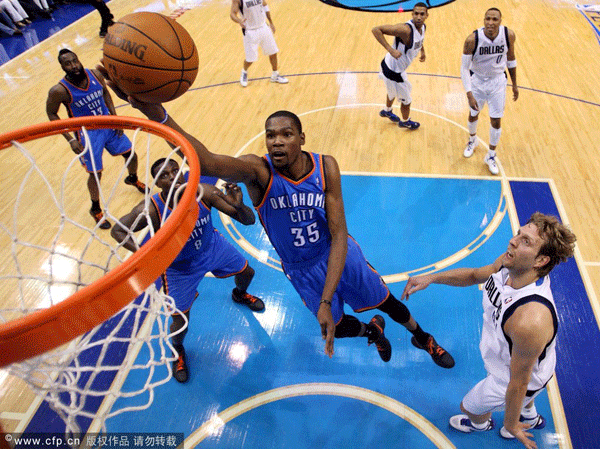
134 221
458 277
231 202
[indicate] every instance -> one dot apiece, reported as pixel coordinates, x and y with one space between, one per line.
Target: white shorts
401 91
489 395
491 91
262 36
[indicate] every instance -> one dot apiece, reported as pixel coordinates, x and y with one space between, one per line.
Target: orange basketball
150 56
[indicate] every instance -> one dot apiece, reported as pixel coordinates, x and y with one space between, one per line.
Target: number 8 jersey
293 213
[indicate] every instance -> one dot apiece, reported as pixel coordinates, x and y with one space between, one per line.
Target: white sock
529 413
244 72
275 74
491 153
472 127
389 109
481 426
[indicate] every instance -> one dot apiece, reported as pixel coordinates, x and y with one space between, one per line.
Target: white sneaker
244 79
470 148
462 423
491 163
279 79
539 422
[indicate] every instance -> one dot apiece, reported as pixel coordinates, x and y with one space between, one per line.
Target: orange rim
41 331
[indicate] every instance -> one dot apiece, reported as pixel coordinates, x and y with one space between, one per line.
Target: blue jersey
293 214
85 102
202 235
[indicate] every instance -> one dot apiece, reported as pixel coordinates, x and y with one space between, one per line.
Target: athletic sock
275 74
420 335
491 153
529 413
481 426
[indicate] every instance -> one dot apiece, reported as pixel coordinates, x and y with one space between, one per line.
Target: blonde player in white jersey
252 16
487 53
519 327
408 42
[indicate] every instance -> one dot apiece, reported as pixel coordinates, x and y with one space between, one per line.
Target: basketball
150 56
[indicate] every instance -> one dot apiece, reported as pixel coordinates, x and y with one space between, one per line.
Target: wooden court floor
331 59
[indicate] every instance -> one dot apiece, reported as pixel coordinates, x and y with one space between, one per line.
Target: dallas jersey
293 213
499 303
489 56
253 12
392 67
86 102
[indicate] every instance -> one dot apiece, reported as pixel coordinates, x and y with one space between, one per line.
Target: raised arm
400 30
336 220
231 202
123 229
458 277
530 329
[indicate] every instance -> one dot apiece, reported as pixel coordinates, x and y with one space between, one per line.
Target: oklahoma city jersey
201 235
253 12
293 214
499 303
489 57
85 102
409 52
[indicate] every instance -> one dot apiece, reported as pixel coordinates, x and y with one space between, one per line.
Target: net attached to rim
79 312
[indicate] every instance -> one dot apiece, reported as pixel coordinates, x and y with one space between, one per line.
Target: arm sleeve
464 72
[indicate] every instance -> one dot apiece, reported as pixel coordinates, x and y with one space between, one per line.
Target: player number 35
312 234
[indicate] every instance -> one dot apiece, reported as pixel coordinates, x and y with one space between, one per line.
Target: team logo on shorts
384 6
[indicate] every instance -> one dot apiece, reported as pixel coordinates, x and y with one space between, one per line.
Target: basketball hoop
34 333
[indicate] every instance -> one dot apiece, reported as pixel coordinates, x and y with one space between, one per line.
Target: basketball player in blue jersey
487 53
518 339
408 43
206 249
298 196
83 92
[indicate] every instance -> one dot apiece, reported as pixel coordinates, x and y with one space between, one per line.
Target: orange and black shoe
99 217
137 184
440 356
254 303
180 369
377 325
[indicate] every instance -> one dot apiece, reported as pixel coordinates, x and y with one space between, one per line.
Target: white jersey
254 13
409 52
499 303
489 56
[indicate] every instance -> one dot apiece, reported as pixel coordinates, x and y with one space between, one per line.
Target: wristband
266 8
511 64
325 301
72 140
164 120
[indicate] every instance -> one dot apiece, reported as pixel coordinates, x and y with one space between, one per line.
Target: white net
50 248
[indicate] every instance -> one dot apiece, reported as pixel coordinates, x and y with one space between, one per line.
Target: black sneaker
254 303
180 369
377 325
99 217
137 183
440 356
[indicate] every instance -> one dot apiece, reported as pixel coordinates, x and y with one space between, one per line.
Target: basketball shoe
470 148
462 423
254 303
279 79
180 369
536 423
491 163
384 348
99 217
244 79
137 184
409 124
440 356
389 114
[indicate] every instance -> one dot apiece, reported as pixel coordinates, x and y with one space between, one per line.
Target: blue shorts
102 138
182 278
361 287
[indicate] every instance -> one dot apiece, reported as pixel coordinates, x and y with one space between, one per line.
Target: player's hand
327 327
524 437
472 101
515 90
414 285
243 24
234 195
423 57
76 146
395 53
